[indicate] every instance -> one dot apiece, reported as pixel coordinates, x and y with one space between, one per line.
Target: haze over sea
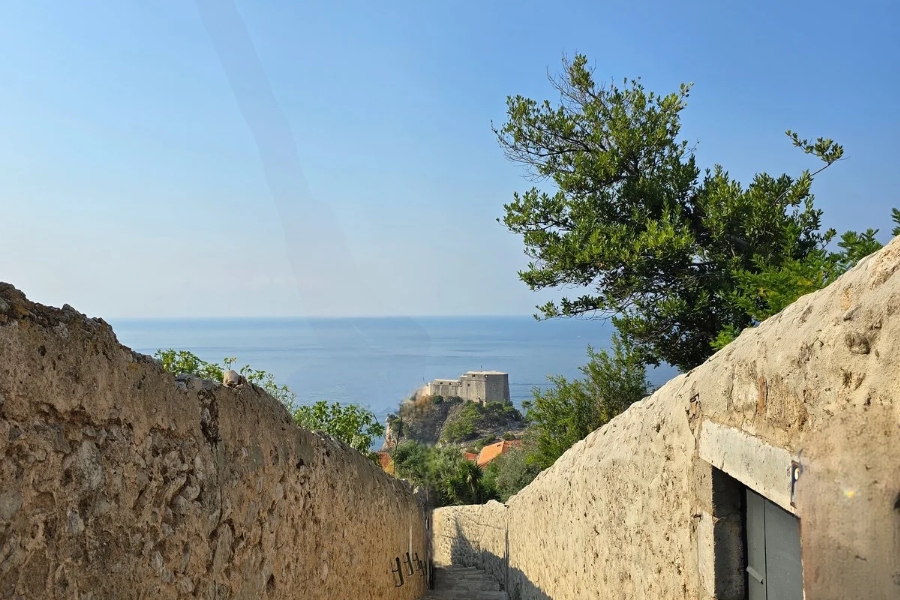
376 362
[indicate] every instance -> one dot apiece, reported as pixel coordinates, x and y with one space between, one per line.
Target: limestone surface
119 480
637 509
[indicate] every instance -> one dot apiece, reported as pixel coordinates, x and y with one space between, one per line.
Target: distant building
474 386
492 451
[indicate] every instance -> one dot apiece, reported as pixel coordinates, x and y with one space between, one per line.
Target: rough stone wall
634 510
594 525
119 481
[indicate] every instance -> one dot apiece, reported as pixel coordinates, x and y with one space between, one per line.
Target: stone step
465 595
436 595
480 585
464 583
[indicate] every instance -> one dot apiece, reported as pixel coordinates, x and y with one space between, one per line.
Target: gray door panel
774 571
783 567
756 546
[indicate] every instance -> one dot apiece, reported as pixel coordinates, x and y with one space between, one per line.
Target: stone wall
645 507
119 481
447 388
472 536
474 386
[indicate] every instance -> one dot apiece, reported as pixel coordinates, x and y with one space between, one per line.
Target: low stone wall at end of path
803 410
118 480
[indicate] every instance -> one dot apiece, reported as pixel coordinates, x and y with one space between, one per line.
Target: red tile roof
492 451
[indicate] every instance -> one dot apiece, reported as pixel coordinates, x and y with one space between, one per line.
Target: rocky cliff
432 420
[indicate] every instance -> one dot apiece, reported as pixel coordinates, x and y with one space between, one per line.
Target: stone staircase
464 583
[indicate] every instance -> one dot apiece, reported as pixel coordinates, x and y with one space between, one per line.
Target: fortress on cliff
474 386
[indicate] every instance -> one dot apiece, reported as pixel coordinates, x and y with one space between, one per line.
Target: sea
379 362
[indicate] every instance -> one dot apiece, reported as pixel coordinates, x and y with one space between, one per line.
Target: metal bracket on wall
398 571
796 470
420 566
409 565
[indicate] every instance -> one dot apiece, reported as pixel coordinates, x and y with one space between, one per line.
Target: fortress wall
474 388
474 391
497 388
649 505
117 481
447 390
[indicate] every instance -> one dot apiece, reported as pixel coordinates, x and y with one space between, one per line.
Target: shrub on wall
184 362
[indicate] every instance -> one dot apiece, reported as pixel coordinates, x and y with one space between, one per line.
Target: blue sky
131 183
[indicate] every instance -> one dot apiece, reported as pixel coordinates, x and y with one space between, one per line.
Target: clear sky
133 182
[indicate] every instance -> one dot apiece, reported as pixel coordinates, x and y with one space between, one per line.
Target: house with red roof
492 451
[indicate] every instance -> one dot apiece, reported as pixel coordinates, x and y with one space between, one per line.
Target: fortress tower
474 386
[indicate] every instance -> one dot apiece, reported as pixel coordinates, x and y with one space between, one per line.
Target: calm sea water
377 362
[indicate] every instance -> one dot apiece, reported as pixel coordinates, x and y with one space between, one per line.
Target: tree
510 472
352 424
670 256
467 485
569 410
449 478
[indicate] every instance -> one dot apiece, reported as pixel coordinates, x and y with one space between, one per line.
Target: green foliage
485 441
467 486
679 261
184 362
352 424
424 417
854 247
473 416
569 410
768 289
498 413
266 381
510 472
448 477
187 363
460 430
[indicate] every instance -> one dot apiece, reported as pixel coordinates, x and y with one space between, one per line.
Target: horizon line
323 317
